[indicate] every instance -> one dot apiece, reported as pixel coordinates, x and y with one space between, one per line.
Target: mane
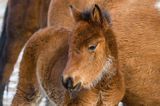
86 15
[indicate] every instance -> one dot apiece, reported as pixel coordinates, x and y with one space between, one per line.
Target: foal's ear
100 18
75 13
96 15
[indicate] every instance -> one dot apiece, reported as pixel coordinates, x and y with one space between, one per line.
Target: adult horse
136 28
22 19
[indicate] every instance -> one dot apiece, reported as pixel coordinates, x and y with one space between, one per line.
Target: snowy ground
8 96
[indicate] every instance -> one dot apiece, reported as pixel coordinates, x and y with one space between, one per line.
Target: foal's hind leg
27 91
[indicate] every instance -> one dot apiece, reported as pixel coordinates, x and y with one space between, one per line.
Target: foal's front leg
113 91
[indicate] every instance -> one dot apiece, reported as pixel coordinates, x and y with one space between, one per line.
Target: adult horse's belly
137 28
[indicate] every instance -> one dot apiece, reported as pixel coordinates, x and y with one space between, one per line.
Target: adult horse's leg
22 19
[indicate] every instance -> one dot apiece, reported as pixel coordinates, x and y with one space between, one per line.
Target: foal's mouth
70 86
76 88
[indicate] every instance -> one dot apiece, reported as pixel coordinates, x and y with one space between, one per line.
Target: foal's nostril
68 83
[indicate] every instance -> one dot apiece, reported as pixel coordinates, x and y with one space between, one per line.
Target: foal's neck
112 44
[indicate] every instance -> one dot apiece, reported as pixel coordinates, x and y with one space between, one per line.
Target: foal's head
89 53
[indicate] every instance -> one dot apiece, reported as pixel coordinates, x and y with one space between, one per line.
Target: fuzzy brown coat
136 27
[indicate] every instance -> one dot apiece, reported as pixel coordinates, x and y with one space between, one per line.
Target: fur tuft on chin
105 70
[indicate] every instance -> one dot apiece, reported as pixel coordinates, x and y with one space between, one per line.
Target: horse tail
3 39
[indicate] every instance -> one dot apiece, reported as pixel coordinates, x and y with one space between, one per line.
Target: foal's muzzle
69 84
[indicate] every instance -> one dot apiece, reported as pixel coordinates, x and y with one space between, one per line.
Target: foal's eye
92 48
